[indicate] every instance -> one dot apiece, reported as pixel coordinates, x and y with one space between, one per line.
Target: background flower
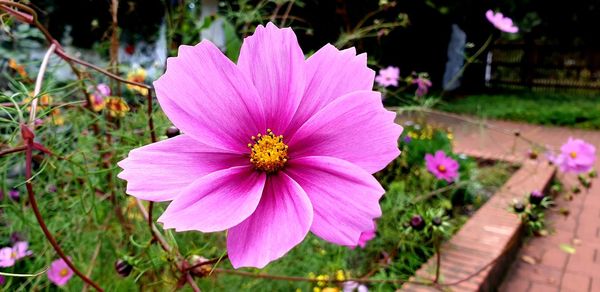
575 156
59 272
442 166
501 22
388 76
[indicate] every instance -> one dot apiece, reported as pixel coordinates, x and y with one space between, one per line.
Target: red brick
554 258
538 287
515 285
575 282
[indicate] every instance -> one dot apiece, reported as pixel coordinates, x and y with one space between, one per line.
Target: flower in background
407 139
442 166
388 76
575 156
116 106
14 194
17 67
2 280
44 101
9 255
501 22
97 97
59 272
423 85
137 75
352 286
57 117
287 140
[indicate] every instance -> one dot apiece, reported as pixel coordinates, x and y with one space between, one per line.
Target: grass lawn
579 110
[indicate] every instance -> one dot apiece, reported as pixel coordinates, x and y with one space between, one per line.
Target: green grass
576 110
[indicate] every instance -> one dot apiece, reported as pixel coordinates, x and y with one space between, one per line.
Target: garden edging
490 239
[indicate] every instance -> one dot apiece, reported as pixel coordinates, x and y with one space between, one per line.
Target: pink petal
217 201
280 222
274 61
355 127
207 97
330 74
345 198
6 259
160 171
22 249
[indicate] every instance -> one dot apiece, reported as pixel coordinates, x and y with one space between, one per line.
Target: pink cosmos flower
352 286
271 147
388 76
10 255
501 22
442 166
423 85
59 272
575 156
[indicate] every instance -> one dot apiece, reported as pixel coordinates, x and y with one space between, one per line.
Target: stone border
493 233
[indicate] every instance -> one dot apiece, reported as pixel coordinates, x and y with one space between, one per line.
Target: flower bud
172 131
417 222
123 268
536 197
519 207
533 217
437 221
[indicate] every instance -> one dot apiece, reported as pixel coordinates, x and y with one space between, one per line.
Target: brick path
554 269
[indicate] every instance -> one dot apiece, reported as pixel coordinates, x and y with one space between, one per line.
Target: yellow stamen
573 154
441 168
13 255
63 272
268 152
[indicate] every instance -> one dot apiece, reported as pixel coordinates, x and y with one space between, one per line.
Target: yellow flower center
441 168
573 154
269 153
13 255
63 272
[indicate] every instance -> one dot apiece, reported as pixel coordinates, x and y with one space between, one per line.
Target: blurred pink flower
271 147
442 166
501 22
10 255
352 286
59 272
97 98
366 236
423 85
575 156
388 76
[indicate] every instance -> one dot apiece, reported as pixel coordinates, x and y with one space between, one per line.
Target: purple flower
271 148
10 255
59 272
575 156
2 280
501 22
423 85
407 139
442 166
388 76
14 194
